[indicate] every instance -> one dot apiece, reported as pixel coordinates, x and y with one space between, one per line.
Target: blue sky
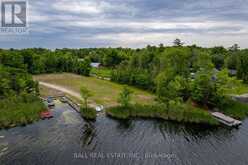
132 23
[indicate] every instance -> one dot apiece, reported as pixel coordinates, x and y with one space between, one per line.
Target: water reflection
89 133
54 141
193 132
3 146
125 125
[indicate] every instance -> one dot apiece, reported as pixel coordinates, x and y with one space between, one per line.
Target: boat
99 108
46 115
63 99
50 101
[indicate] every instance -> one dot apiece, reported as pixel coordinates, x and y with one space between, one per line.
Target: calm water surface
68 139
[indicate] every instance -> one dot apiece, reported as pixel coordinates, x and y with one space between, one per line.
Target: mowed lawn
104 92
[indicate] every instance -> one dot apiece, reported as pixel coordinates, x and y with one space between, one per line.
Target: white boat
99 108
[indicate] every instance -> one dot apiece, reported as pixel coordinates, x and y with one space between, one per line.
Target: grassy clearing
18 110
101 72
104 92
239 90
44 91
185 113
236 109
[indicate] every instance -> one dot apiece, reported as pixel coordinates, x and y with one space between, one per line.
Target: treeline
181 73
108 57
38 61
149 59
144 65
15 81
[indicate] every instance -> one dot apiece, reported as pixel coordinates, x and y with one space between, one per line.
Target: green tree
234 48
203 61
111 58
232 60
178 42
179 61
202 87
162 85
243 66
85 93
225 83
125 97
84 67
218 50
170 87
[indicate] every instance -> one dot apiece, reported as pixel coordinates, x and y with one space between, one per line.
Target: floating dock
68 101
226 119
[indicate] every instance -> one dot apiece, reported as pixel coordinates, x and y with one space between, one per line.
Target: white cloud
77 7
91 7
158 25
135 24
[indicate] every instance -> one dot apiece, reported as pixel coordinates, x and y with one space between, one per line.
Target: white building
95 64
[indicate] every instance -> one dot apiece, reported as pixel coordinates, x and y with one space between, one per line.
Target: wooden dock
73 104
69 101
226 119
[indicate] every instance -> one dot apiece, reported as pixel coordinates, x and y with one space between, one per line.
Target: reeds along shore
180 113
20 110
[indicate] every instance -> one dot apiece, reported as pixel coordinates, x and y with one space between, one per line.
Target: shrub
20 110
235 109
118 112
125 97
175 111
88 113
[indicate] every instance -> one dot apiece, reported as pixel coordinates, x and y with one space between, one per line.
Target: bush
174 111
242 66
88 113
235 109
125 97
20 110
197 115
118 112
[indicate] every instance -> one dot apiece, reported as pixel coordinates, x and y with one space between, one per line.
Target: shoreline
186 115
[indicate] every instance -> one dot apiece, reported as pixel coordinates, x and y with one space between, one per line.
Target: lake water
68 139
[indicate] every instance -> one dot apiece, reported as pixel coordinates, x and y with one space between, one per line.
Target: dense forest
19 101
177 73
37 61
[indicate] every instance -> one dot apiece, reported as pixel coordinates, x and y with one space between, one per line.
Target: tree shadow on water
88 140
195 132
